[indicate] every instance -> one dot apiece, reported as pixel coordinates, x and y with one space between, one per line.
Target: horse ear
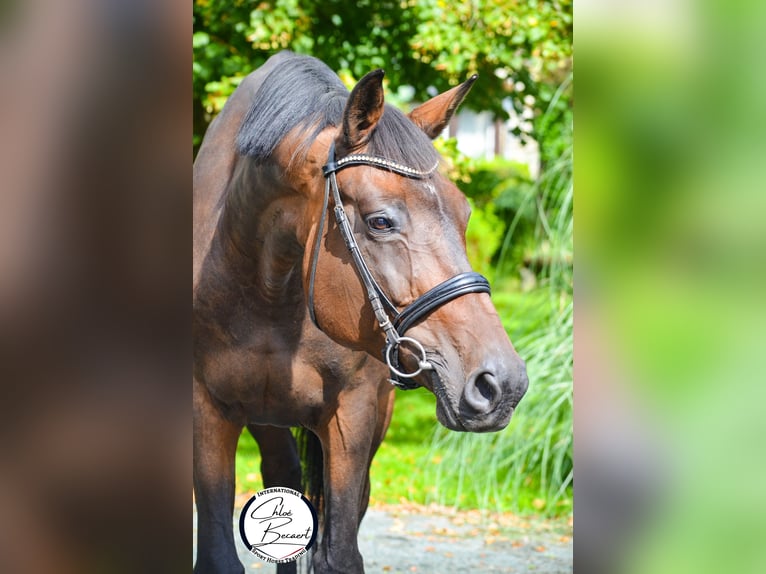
434 115
363 110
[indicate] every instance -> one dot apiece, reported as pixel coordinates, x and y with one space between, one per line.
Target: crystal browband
364 159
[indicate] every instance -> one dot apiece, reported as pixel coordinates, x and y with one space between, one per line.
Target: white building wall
476 139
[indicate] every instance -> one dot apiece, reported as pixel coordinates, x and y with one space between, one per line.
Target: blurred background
670 287
510 150
95 220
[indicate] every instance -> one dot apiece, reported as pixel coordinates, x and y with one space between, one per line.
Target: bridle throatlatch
384 309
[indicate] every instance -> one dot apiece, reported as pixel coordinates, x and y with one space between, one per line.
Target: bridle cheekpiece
384 309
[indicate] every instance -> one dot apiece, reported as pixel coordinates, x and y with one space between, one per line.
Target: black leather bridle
384 309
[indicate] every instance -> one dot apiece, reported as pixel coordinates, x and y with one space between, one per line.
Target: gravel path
411 538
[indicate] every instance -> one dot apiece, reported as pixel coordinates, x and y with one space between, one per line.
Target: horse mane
303 92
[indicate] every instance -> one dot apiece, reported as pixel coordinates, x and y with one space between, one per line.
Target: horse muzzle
487 399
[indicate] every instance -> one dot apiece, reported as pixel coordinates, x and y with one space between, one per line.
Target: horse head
406 223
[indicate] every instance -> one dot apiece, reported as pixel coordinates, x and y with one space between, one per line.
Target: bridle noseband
384 309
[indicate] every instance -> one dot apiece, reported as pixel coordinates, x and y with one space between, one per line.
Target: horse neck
260 225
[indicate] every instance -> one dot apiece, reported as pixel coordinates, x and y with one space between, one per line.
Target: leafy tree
522 51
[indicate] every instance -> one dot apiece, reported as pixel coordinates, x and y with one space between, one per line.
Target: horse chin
445 412
447 418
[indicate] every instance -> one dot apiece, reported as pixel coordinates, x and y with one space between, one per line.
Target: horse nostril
482 391
485 386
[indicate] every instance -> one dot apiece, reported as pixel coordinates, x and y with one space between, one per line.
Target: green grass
394 472
528 466
248 465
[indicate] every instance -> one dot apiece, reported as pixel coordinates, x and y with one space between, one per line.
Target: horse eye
379 223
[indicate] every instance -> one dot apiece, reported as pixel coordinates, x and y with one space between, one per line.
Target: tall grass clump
528 466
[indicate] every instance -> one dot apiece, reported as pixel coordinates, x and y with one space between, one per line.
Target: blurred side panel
670 306
95 214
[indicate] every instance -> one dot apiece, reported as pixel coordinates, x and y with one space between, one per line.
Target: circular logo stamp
278 525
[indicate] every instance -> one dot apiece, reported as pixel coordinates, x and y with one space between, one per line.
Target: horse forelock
302 97
301 91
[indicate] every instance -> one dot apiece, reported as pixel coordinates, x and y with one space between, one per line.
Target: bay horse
292 306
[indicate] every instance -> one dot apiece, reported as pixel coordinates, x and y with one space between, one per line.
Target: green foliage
521 50
534 217
504 189
483 237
